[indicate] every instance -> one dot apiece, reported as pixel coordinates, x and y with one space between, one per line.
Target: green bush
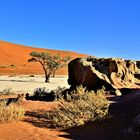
83 107
10 113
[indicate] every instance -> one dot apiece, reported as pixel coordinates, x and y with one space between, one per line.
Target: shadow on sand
122 112
38 118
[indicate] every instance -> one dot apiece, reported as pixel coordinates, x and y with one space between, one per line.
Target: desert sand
15 71
31 127
34 125
14 59
15 74
26 84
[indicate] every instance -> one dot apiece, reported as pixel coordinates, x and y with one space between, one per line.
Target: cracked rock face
94 73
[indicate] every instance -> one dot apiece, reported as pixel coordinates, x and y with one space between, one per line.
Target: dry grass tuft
83 107
10 113
7 91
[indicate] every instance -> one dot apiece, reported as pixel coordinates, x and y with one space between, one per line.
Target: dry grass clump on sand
44 94
82 107
10 113
7 91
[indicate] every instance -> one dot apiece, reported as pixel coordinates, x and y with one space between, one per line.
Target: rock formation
93 73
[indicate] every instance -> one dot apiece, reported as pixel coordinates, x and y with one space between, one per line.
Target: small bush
58 92
83 107
42 94
10 113
31 75
12 65
7 91
12 75
48 95
39 92
3 66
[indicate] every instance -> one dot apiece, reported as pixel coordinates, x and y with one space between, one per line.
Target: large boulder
94 73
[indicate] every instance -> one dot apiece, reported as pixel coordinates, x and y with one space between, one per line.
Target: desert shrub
39 92
31 75
3 66
42 94
7 66
83 107
12 75
7 91
10 113
58 92
12 65
45 94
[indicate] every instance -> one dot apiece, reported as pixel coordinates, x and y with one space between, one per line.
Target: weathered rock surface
97 72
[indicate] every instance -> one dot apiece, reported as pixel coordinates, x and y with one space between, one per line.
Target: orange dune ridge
14 59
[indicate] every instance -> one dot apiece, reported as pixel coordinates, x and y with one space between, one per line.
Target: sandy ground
14 59
27 84
34 125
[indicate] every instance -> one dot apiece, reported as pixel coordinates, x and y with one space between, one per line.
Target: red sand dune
18 55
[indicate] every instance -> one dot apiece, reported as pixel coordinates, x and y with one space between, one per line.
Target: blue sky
104 28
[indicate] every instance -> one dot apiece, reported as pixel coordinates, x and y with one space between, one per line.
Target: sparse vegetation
31 75
83 107
58 92
12 75
40 92
12 65
47 95
49 63
3 66
8 66
10 113
7 91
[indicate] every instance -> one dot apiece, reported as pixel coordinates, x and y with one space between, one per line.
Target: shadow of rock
122 112
38 118
126 91
48 97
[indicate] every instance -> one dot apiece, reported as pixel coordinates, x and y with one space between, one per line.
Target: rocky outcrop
94 72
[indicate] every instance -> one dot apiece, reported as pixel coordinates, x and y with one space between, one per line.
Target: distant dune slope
14 57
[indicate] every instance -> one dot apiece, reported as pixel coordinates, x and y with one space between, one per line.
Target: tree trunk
47 79
47 76
53 73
